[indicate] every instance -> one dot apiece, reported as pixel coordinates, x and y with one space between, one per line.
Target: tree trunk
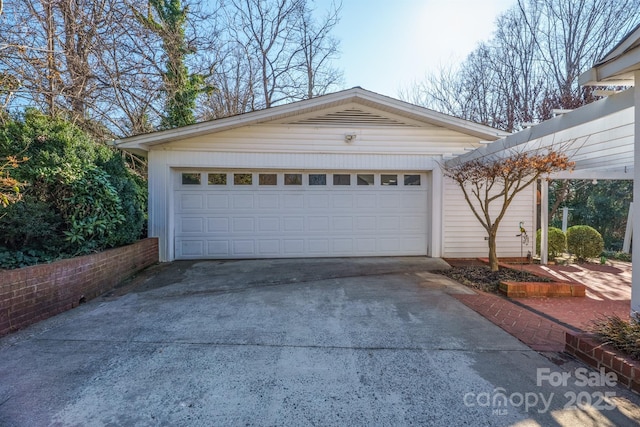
493 257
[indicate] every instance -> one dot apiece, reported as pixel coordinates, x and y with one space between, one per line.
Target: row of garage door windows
244 178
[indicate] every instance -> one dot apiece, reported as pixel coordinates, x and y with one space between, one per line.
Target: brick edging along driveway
542 334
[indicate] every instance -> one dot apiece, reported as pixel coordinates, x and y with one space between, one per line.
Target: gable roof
361 108
618 66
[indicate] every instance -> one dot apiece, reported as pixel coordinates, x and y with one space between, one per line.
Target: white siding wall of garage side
464 237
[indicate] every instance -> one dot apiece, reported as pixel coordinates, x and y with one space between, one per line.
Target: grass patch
621 334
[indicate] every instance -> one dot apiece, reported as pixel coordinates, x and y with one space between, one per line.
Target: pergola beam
544 134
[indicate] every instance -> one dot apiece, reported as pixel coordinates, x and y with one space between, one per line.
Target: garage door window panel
191 178
412 180
217 179
341 179
242 179
387 180
292 179
317 179
268 179
366 179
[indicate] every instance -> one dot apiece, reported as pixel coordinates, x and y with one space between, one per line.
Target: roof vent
351 117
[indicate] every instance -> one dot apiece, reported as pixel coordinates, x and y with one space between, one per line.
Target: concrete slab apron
315 342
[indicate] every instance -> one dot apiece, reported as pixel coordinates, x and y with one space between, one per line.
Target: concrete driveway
369 341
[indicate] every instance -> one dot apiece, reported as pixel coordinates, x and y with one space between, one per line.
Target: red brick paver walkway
541 322
608 293
535 331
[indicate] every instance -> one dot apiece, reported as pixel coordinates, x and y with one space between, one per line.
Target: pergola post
544 221
635 257
628 233
437 209
565 218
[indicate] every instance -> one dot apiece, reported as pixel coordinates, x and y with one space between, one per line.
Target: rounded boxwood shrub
557 242
584 242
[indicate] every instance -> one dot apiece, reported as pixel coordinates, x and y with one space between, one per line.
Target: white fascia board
602 174
616 67
580 116
615 72
628 42
212 126
423 114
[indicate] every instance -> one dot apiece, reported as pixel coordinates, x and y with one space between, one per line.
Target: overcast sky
388 44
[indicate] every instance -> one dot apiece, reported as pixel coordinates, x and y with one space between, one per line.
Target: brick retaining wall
31 294
600 356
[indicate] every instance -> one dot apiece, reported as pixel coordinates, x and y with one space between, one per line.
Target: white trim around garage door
236 214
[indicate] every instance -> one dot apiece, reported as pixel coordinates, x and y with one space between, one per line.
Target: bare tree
275 51
490 184
54 57
234 80
48 47
532 64
265 29
572 35
104 63
317 50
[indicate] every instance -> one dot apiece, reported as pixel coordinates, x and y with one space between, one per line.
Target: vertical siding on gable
464 237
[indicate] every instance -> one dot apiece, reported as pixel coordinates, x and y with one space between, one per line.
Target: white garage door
286 214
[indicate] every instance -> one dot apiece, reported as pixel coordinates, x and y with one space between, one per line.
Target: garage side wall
464 237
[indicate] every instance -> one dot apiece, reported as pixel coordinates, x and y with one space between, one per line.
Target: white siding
464 237
428 140
305 148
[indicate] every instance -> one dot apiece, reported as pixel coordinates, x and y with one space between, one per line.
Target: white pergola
600 137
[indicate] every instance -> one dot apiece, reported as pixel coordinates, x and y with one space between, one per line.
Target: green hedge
80 197
584 242
557 242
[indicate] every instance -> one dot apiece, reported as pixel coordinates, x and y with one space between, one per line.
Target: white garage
351 173
282 214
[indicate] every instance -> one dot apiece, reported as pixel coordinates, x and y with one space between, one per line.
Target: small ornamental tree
9 186
494 181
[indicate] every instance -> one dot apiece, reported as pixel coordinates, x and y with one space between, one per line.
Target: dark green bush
584 242
80 196
557 242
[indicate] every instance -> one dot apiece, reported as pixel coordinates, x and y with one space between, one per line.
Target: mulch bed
481 277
